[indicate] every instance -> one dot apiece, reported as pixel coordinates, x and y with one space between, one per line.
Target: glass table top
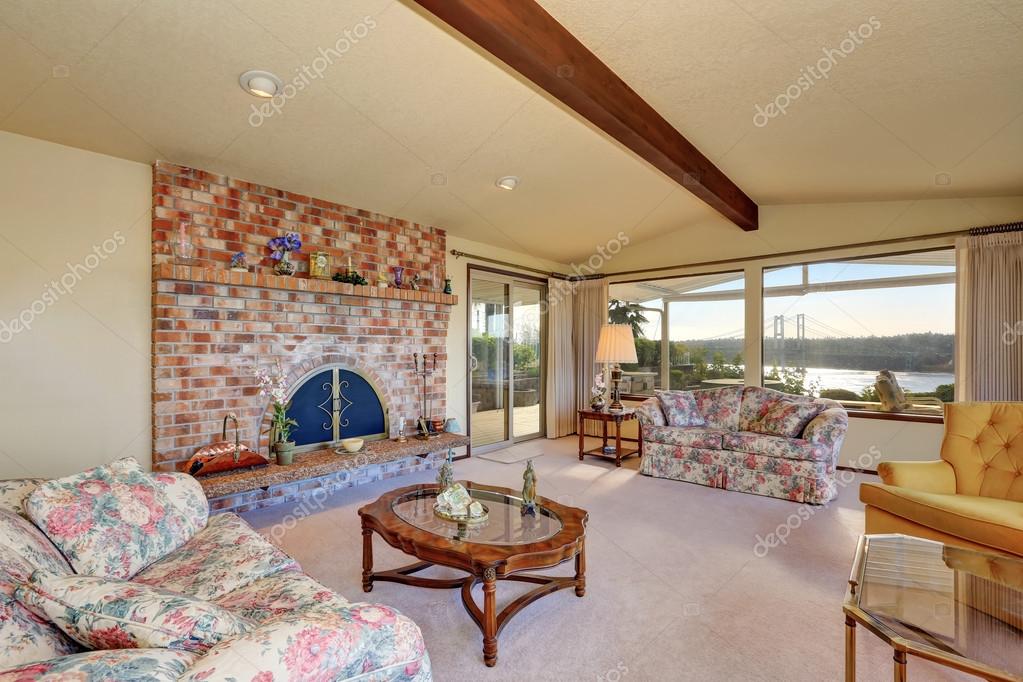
505 523
945 599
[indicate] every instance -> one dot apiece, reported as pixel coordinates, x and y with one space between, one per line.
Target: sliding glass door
506 359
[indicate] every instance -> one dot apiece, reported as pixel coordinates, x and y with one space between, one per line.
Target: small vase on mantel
285 266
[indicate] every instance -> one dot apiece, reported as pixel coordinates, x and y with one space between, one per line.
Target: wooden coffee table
499 549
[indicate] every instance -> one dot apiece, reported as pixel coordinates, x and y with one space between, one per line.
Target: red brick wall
209 336
224 216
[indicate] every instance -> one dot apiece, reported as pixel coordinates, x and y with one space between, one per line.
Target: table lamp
616 345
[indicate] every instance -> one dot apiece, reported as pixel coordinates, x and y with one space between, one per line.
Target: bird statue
893 398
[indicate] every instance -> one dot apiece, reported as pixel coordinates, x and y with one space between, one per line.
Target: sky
869 312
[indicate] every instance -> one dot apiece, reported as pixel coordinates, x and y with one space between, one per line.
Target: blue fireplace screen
336 403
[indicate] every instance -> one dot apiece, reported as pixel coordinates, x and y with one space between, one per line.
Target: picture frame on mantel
319 265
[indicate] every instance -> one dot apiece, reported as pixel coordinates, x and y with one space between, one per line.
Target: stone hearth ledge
191 273
323 463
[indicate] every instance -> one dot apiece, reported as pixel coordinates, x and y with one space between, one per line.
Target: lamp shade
616 344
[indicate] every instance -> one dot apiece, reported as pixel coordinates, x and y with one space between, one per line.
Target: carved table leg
900 666
490 617
618 442
850 649
367 560
580 569
582 436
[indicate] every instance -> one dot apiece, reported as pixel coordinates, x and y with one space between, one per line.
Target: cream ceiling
413 121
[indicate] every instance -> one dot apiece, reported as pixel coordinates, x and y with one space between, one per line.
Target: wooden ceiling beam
525 37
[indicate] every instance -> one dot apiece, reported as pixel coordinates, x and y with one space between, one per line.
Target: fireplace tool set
426 369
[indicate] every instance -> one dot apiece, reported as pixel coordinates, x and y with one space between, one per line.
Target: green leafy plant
622 312
350 277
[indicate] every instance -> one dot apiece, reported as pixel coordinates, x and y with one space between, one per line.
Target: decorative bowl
352 444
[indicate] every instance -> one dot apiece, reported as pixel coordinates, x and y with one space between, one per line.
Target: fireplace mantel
191 273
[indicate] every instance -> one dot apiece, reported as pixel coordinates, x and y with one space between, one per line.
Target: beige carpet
674 588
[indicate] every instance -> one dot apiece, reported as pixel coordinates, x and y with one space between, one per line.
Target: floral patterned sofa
120 574
750 439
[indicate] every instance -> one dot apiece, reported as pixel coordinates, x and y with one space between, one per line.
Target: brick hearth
213 327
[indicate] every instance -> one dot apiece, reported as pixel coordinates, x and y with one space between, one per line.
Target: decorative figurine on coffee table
446 472
529 479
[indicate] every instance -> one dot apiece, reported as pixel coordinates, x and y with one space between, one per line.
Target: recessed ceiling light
508 182
260 83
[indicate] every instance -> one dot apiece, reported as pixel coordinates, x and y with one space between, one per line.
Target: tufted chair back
984 444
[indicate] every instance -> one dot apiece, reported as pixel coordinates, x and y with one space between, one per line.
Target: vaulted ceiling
412 120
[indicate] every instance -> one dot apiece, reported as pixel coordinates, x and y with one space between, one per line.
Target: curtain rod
996 229
973 231
800 252
508 264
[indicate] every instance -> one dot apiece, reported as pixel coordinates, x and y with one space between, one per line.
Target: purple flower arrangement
287 244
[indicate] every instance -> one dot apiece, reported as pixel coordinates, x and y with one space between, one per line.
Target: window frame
666 301
754 297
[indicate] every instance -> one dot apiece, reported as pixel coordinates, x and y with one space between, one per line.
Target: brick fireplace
212 327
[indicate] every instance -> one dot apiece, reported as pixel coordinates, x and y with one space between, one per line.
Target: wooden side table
605 417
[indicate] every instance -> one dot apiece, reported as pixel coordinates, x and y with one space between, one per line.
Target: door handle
474 364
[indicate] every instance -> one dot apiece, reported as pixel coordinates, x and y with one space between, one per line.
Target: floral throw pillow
680 408
114 520
101 613
785 418
14 492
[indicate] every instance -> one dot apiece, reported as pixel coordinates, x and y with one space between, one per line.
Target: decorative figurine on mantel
447 285
382 280
414 284
529 479
239 263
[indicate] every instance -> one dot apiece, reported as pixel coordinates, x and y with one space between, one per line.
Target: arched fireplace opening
333 402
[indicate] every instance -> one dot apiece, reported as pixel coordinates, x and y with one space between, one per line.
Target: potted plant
275 386
282 248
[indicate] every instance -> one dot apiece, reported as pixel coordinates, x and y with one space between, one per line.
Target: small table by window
605 417
958 607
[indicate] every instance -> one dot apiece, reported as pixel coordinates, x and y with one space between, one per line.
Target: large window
689 331
831 328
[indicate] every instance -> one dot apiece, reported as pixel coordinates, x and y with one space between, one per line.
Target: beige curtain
989 309
590 308
561 385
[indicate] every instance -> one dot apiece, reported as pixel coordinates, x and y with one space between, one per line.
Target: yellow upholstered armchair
971 497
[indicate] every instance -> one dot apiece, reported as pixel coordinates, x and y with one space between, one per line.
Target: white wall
75 360
457 269
870 441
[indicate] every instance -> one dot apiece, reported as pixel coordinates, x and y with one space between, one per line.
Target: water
856 379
